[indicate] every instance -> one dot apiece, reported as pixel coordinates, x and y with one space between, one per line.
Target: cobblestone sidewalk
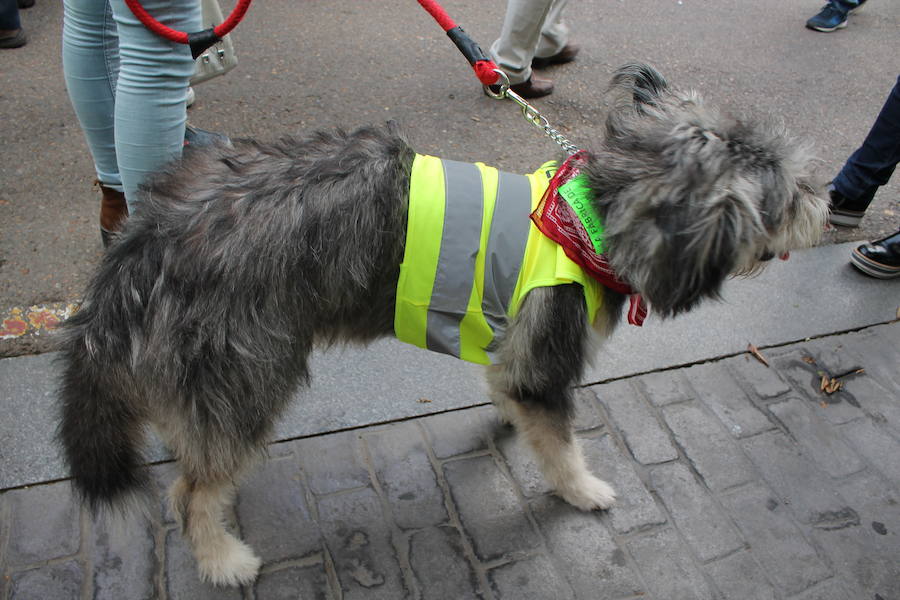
735 481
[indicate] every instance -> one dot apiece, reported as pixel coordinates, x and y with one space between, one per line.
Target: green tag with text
577 195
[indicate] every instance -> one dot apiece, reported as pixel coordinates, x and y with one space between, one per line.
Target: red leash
483 66
198 41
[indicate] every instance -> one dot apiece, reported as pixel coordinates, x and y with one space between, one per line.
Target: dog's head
690 196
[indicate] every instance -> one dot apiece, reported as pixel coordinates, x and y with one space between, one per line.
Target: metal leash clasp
531 114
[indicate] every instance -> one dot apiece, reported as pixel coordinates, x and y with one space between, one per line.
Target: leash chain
530 113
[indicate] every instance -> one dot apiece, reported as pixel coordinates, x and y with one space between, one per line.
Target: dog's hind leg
200 505
542 356
211 461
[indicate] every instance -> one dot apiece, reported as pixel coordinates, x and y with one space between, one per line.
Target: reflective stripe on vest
471 255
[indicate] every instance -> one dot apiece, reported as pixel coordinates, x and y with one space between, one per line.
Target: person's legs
9 15
154 75
554 33
91 66
519 37
873 163
11 33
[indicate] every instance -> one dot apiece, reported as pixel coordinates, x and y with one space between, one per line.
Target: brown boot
113 213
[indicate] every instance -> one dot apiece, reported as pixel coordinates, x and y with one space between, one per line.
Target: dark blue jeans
9 15
872 165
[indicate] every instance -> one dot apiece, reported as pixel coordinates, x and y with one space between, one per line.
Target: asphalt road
306 65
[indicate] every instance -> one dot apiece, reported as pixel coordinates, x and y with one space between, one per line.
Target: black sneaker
828 19
13 38
844 212
879 259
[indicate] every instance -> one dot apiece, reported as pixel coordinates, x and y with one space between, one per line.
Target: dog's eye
767 255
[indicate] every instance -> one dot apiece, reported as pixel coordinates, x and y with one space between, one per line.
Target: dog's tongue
785 256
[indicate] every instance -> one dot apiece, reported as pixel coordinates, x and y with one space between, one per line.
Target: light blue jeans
128 86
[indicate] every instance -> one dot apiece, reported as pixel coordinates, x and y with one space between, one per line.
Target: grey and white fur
201 318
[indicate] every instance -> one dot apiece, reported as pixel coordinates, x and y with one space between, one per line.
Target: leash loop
530 113
199 41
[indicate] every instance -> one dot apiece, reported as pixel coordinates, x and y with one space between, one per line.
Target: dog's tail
101 415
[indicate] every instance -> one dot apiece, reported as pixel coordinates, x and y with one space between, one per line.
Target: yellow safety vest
472 253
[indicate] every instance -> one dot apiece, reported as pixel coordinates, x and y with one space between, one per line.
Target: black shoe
566 55
845 212
13 38
25 3
879 259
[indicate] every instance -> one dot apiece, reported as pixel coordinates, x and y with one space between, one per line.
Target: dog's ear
676 244
692 247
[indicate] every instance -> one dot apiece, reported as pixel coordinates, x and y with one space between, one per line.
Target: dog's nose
767 256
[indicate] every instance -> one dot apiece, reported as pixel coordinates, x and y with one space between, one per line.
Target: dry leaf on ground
757 354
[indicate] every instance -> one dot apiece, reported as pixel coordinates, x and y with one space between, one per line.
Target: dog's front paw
588 493
232 564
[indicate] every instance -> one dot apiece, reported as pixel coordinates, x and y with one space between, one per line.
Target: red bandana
557 220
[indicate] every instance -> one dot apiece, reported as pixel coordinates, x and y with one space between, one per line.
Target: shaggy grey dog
201 318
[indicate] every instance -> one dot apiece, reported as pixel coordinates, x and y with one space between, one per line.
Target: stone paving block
806 379
833 355
438 561
123 554
665 387
585 552
333 462
667 567
798 482
586 414
717 389
272 511
871 496
819 440
764 381
713 452
647 440
738 577
882 405
181 576
404 470
359 540
44 523
775 540
866 557
831 589
529 578
57 582
489 508
878 349
866 554
696 515
461 431
635 508
307 583
523 465
873 443
162 476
